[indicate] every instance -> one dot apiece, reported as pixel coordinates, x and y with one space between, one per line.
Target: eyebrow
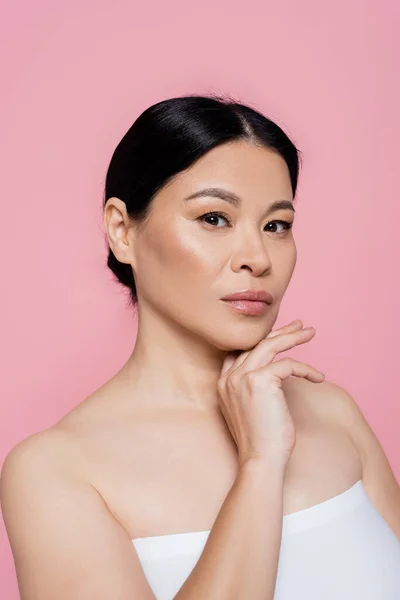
234 199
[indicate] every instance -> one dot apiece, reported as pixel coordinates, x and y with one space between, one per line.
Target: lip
248 307
252 295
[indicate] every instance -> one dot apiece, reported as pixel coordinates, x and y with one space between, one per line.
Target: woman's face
185 261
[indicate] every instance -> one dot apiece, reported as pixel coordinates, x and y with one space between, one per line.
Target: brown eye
286 226
214 216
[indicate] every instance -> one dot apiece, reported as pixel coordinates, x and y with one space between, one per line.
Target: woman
208 467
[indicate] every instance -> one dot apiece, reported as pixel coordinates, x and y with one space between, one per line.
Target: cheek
188 254
173 260
175 274
284 257
292 257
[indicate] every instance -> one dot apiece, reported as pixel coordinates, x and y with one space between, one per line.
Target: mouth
252 295
248 307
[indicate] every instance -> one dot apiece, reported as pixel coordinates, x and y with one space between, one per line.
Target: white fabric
340 549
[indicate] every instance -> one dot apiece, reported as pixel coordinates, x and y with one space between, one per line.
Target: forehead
240 167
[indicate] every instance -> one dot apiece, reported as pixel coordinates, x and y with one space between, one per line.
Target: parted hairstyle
171 135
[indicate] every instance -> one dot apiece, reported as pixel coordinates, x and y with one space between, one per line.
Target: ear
119 230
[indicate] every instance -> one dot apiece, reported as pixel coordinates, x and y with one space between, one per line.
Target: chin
241 341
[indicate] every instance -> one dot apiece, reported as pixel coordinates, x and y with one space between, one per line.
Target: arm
378 478
240 558
66 544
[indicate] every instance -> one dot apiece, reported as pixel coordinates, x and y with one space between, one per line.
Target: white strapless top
340 549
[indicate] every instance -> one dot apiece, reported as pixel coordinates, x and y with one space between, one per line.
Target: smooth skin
74 495
252 399
242 550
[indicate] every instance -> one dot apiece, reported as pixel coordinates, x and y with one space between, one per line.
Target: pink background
77 74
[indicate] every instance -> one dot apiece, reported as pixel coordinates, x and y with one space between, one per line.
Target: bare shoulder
41 450
48 455
327 401
313 401
335 404
54 456
64 540
332 402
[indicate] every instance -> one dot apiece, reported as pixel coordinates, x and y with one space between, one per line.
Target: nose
251 254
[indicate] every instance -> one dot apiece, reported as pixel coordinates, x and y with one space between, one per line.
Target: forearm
240 558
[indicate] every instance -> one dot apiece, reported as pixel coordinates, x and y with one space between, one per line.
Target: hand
251 396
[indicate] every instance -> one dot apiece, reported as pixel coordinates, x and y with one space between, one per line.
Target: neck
172 366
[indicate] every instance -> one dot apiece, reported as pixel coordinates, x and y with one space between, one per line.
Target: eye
286 225
219 215
214 215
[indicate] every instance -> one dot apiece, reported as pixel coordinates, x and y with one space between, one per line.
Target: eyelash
287 224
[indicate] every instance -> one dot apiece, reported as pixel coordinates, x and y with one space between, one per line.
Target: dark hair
168 138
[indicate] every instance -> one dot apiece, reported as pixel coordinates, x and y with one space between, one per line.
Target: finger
293 326
268 348
228 362
287 367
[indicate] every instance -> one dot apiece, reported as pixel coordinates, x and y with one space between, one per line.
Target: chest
175 477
